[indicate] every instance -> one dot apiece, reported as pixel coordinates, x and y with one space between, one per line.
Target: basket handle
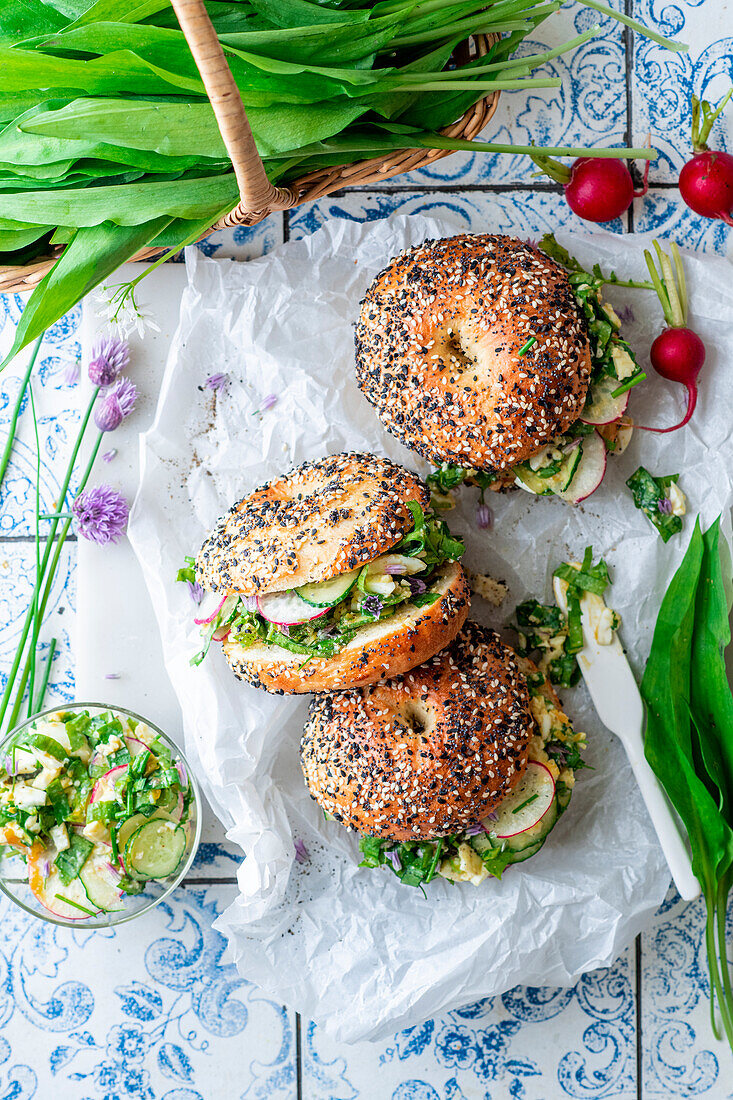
257 195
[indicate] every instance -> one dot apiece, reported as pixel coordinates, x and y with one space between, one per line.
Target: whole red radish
678 353
706 181
597 189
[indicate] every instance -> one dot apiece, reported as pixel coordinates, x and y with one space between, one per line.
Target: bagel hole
415 717
459 359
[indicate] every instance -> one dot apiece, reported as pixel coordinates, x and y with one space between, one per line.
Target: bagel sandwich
334 575
499 363
458 768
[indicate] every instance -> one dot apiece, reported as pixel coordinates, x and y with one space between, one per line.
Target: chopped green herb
188 571
76 905
525 347
651 497
527 802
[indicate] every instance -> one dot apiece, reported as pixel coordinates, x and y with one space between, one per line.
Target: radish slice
211 606
134 745
287 608
45 889
526 805
601 407
590 472
104 790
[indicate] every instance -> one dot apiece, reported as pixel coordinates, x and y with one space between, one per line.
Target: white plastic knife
616 697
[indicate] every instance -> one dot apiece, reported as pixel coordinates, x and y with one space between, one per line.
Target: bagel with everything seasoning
496 363
457 768
334 575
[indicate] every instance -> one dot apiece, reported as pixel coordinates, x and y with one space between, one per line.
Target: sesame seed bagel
384 648
426 754
438 349
319 520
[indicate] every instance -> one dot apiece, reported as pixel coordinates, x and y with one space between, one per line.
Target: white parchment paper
350 948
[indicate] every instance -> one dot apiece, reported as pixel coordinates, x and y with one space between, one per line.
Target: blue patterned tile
680 1056
17 578
529 1044
520 211
243 242
588 110
56 401
664 82
663 213
152 1014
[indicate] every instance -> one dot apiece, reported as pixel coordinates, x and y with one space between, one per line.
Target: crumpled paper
353 948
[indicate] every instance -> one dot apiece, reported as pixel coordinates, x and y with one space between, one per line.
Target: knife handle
665 824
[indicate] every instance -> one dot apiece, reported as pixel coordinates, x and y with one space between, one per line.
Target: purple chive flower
109 455
557 748
373 606
395 860
394 570
109 357
625 315
484 517
101 514
116 405
475 830
269 401
417 586
112 676
301 852
216 381
492 815
250 602
195 591
665 506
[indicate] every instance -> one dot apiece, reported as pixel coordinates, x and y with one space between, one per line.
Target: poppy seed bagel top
438 343
427 753
319 520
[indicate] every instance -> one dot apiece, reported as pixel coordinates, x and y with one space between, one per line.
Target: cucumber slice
155 849
527 852
101 886
555 484
132 824
328 593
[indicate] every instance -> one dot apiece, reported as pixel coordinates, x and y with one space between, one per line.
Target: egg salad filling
318 620
518 826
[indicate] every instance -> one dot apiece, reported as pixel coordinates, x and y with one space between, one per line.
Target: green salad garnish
652 497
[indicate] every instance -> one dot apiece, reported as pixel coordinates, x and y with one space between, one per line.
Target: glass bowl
13 870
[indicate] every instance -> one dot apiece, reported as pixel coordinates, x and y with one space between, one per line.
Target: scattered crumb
494 592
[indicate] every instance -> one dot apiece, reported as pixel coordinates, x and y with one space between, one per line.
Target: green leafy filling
651 497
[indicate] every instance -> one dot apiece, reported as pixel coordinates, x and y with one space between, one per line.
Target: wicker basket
258 197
